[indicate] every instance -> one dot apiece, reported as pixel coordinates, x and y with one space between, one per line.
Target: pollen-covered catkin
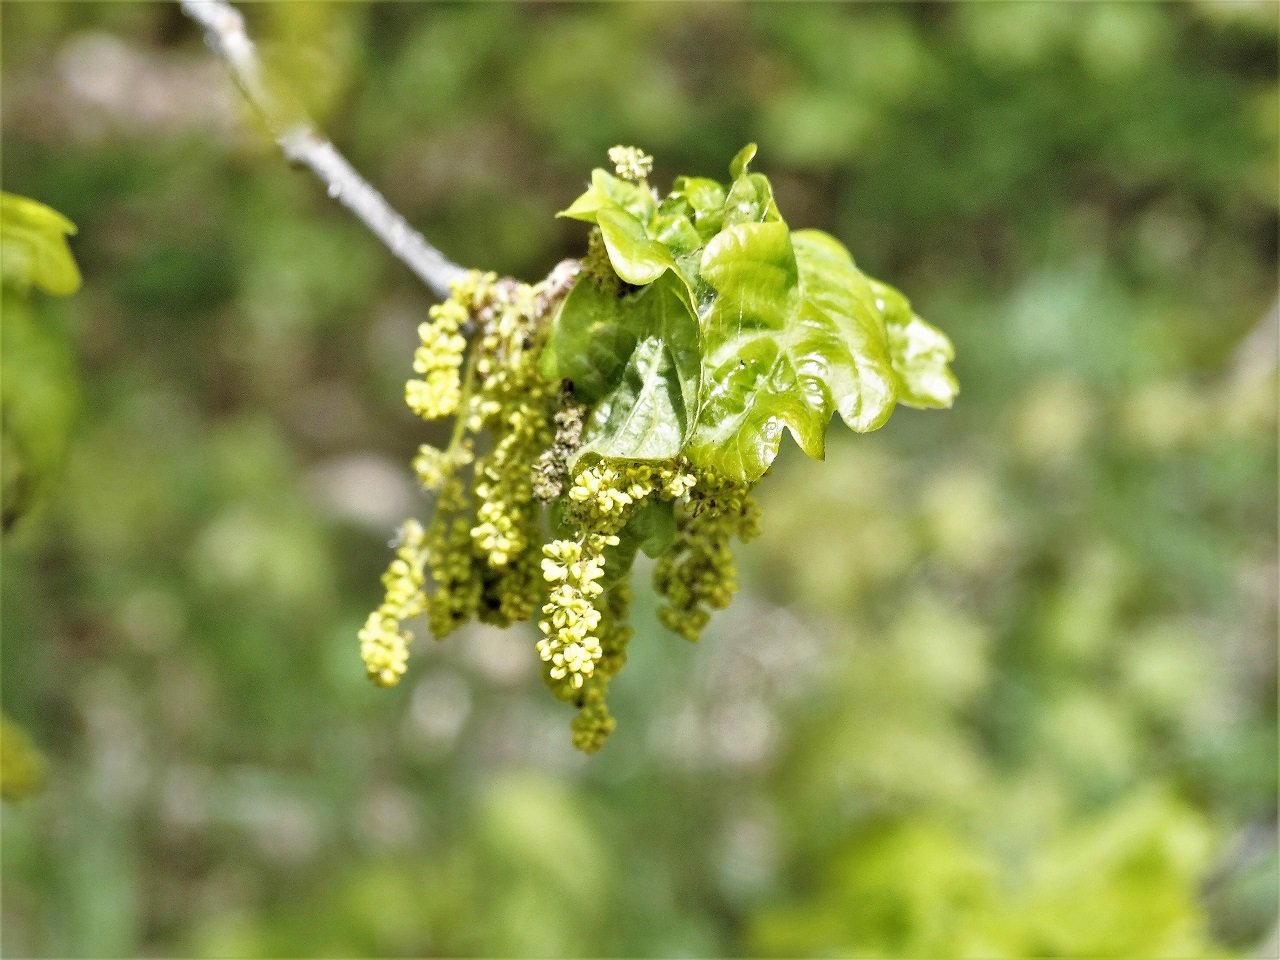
440 351
585 629
698 573
384 643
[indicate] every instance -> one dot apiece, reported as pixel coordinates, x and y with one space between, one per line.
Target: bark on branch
303 145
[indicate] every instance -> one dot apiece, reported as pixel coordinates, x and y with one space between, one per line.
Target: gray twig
303 145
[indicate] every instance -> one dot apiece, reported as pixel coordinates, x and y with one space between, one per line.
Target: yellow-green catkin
384 642
698 573
453 564
570 645
439 356
477 362
593 723
584 639
516 405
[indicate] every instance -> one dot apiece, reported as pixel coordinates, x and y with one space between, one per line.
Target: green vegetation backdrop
1000 681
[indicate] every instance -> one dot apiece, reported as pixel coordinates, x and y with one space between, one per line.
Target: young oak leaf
608 192
921 353
642 238
791 336
636 258
637 358
750 198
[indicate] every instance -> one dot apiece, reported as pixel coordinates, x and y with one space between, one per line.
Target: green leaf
637 357
674 230
921 353
738 165
33 246
635 258
590 342
39 394
756 376
750 200
867 388
791 336
608 192
654 526
705 200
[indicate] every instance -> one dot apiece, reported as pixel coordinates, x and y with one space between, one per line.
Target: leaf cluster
727 327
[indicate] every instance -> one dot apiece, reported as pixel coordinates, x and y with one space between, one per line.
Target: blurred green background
1000 682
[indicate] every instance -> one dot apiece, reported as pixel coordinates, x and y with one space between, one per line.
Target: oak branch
304 146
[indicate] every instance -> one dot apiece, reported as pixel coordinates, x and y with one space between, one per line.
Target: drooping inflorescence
631 403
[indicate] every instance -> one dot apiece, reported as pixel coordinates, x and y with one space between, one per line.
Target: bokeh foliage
1001 681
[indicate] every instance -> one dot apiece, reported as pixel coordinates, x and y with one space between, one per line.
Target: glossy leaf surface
788 332
636 357
921 353
787 342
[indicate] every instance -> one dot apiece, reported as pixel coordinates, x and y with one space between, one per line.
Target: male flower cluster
439 360
570 646
697 573
631 163
603 498
384 644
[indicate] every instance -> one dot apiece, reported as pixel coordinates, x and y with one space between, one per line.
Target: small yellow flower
632 163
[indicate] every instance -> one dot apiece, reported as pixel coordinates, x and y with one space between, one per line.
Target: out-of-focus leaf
38 396
33 246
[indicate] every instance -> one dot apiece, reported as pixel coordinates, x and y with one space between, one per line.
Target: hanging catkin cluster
491 552
631 402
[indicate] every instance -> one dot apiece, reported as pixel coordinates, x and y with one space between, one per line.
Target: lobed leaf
791 336
921 353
